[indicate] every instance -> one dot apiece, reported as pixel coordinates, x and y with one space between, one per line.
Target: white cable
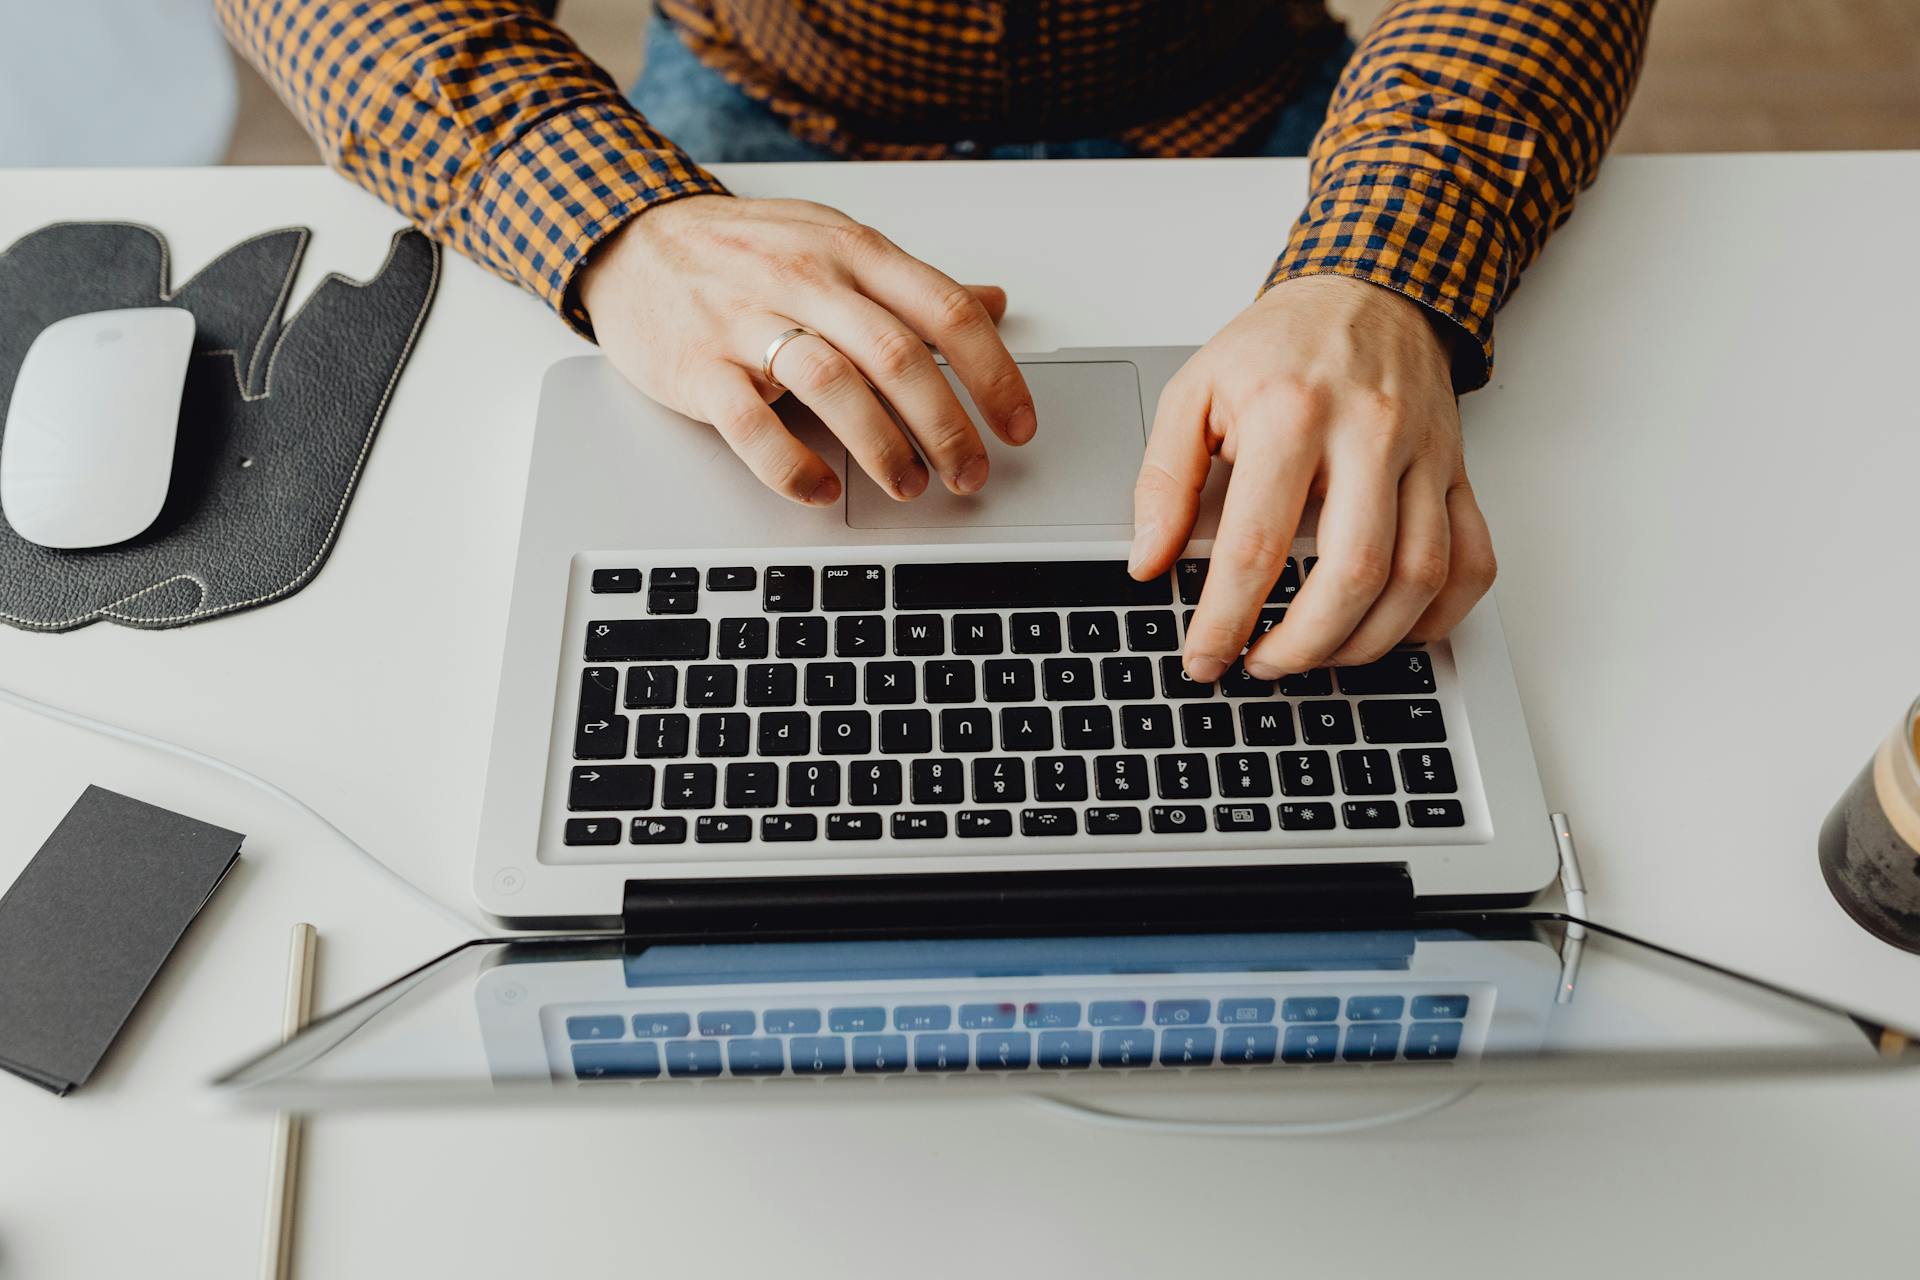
78 721
1252 1128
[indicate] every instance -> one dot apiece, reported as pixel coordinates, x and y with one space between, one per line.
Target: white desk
1698 459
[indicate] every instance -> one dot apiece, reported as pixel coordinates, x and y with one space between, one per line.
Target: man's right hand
688 296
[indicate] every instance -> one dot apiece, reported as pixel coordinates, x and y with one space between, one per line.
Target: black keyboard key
846 733
853 826
1323 723
1428 771
1060 778
1152 632
1086 728
920 634
1123 678
721 733
950 680
801 637
616 581
1269 619
732 578
661 830
1113 822
785 733
752 786
1145 728
1306 817
1177 819
832 684
676 577
890 683
977 633
660 735
1288 585
688 786
1402 671
1242 817
1366 773
966 729
984 824
1121 777
909 825
1266 724
648 639
599 691
1007 680
743 638
1206 724
1026 728
1067 679
874 782
1411 720
664 601
999 780
1435 813
1243 774
906 732
938 781
602 738
1190 576
1035 632
1317 683
1238 684
847 587
773 684
1024 585
611 786
712 686
1368 815
593 831
723 828
652 686
859 635
1182 777
1048 822
1093 632
789 589
789 828
1175 684
813 784
1306 773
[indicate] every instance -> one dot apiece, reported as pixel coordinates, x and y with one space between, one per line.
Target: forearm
477 119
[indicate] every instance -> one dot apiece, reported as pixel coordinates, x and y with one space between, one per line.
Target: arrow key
593 831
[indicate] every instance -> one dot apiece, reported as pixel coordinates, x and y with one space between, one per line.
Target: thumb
992 297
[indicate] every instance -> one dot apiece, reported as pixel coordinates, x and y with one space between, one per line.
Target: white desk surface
1699 460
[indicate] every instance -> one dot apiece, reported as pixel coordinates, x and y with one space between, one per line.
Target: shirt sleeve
1457 139
476 119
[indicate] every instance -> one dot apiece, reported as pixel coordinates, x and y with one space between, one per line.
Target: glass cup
1870 843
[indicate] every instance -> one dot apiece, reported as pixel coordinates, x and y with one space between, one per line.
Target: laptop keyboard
920 700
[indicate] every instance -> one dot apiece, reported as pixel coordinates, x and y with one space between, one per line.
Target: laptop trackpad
1078 469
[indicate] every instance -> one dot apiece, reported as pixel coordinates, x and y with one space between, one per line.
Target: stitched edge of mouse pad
276 422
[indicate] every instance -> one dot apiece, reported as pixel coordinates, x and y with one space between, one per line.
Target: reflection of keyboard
797 699
1047 1034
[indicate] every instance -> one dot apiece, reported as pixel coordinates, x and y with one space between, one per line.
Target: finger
955 320
1470 570
993 298
1166 494
1356 560
1422 547
891 356
824 380
754 431
1265 496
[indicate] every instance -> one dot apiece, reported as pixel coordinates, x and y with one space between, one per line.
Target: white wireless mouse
88 449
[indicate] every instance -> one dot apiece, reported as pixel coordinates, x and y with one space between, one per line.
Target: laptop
718 706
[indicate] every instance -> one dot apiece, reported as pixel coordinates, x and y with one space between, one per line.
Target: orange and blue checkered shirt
1457 139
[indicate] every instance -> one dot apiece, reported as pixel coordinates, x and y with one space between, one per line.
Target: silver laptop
717 707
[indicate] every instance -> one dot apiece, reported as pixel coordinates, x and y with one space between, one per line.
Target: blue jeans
715 123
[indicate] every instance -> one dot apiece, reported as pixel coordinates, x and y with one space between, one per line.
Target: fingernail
825 492
1263 673
1204 668
912 482
1021 426
1142 535
972 475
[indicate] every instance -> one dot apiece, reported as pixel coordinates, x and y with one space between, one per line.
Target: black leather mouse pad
276 424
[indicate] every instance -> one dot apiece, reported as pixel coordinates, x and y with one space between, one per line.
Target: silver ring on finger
773 349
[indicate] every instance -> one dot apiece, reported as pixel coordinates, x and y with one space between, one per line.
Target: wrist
615 257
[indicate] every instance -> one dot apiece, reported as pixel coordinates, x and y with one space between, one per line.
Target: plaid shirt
1458 135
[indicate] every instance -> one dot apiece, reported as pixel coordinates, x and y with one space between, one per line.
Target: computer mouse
88 450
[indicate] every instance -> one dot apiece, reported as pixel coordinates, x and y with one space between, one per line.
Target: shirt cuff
567 184
1418 233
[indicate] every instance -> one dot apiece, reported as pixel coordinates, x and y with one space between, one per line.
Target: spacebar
1020 584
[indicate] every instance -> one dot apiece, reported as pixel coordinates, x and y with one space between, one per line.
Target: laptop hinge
954 904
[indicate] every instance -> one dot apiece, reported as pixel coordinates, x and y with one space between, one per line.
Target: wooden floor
1721 75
